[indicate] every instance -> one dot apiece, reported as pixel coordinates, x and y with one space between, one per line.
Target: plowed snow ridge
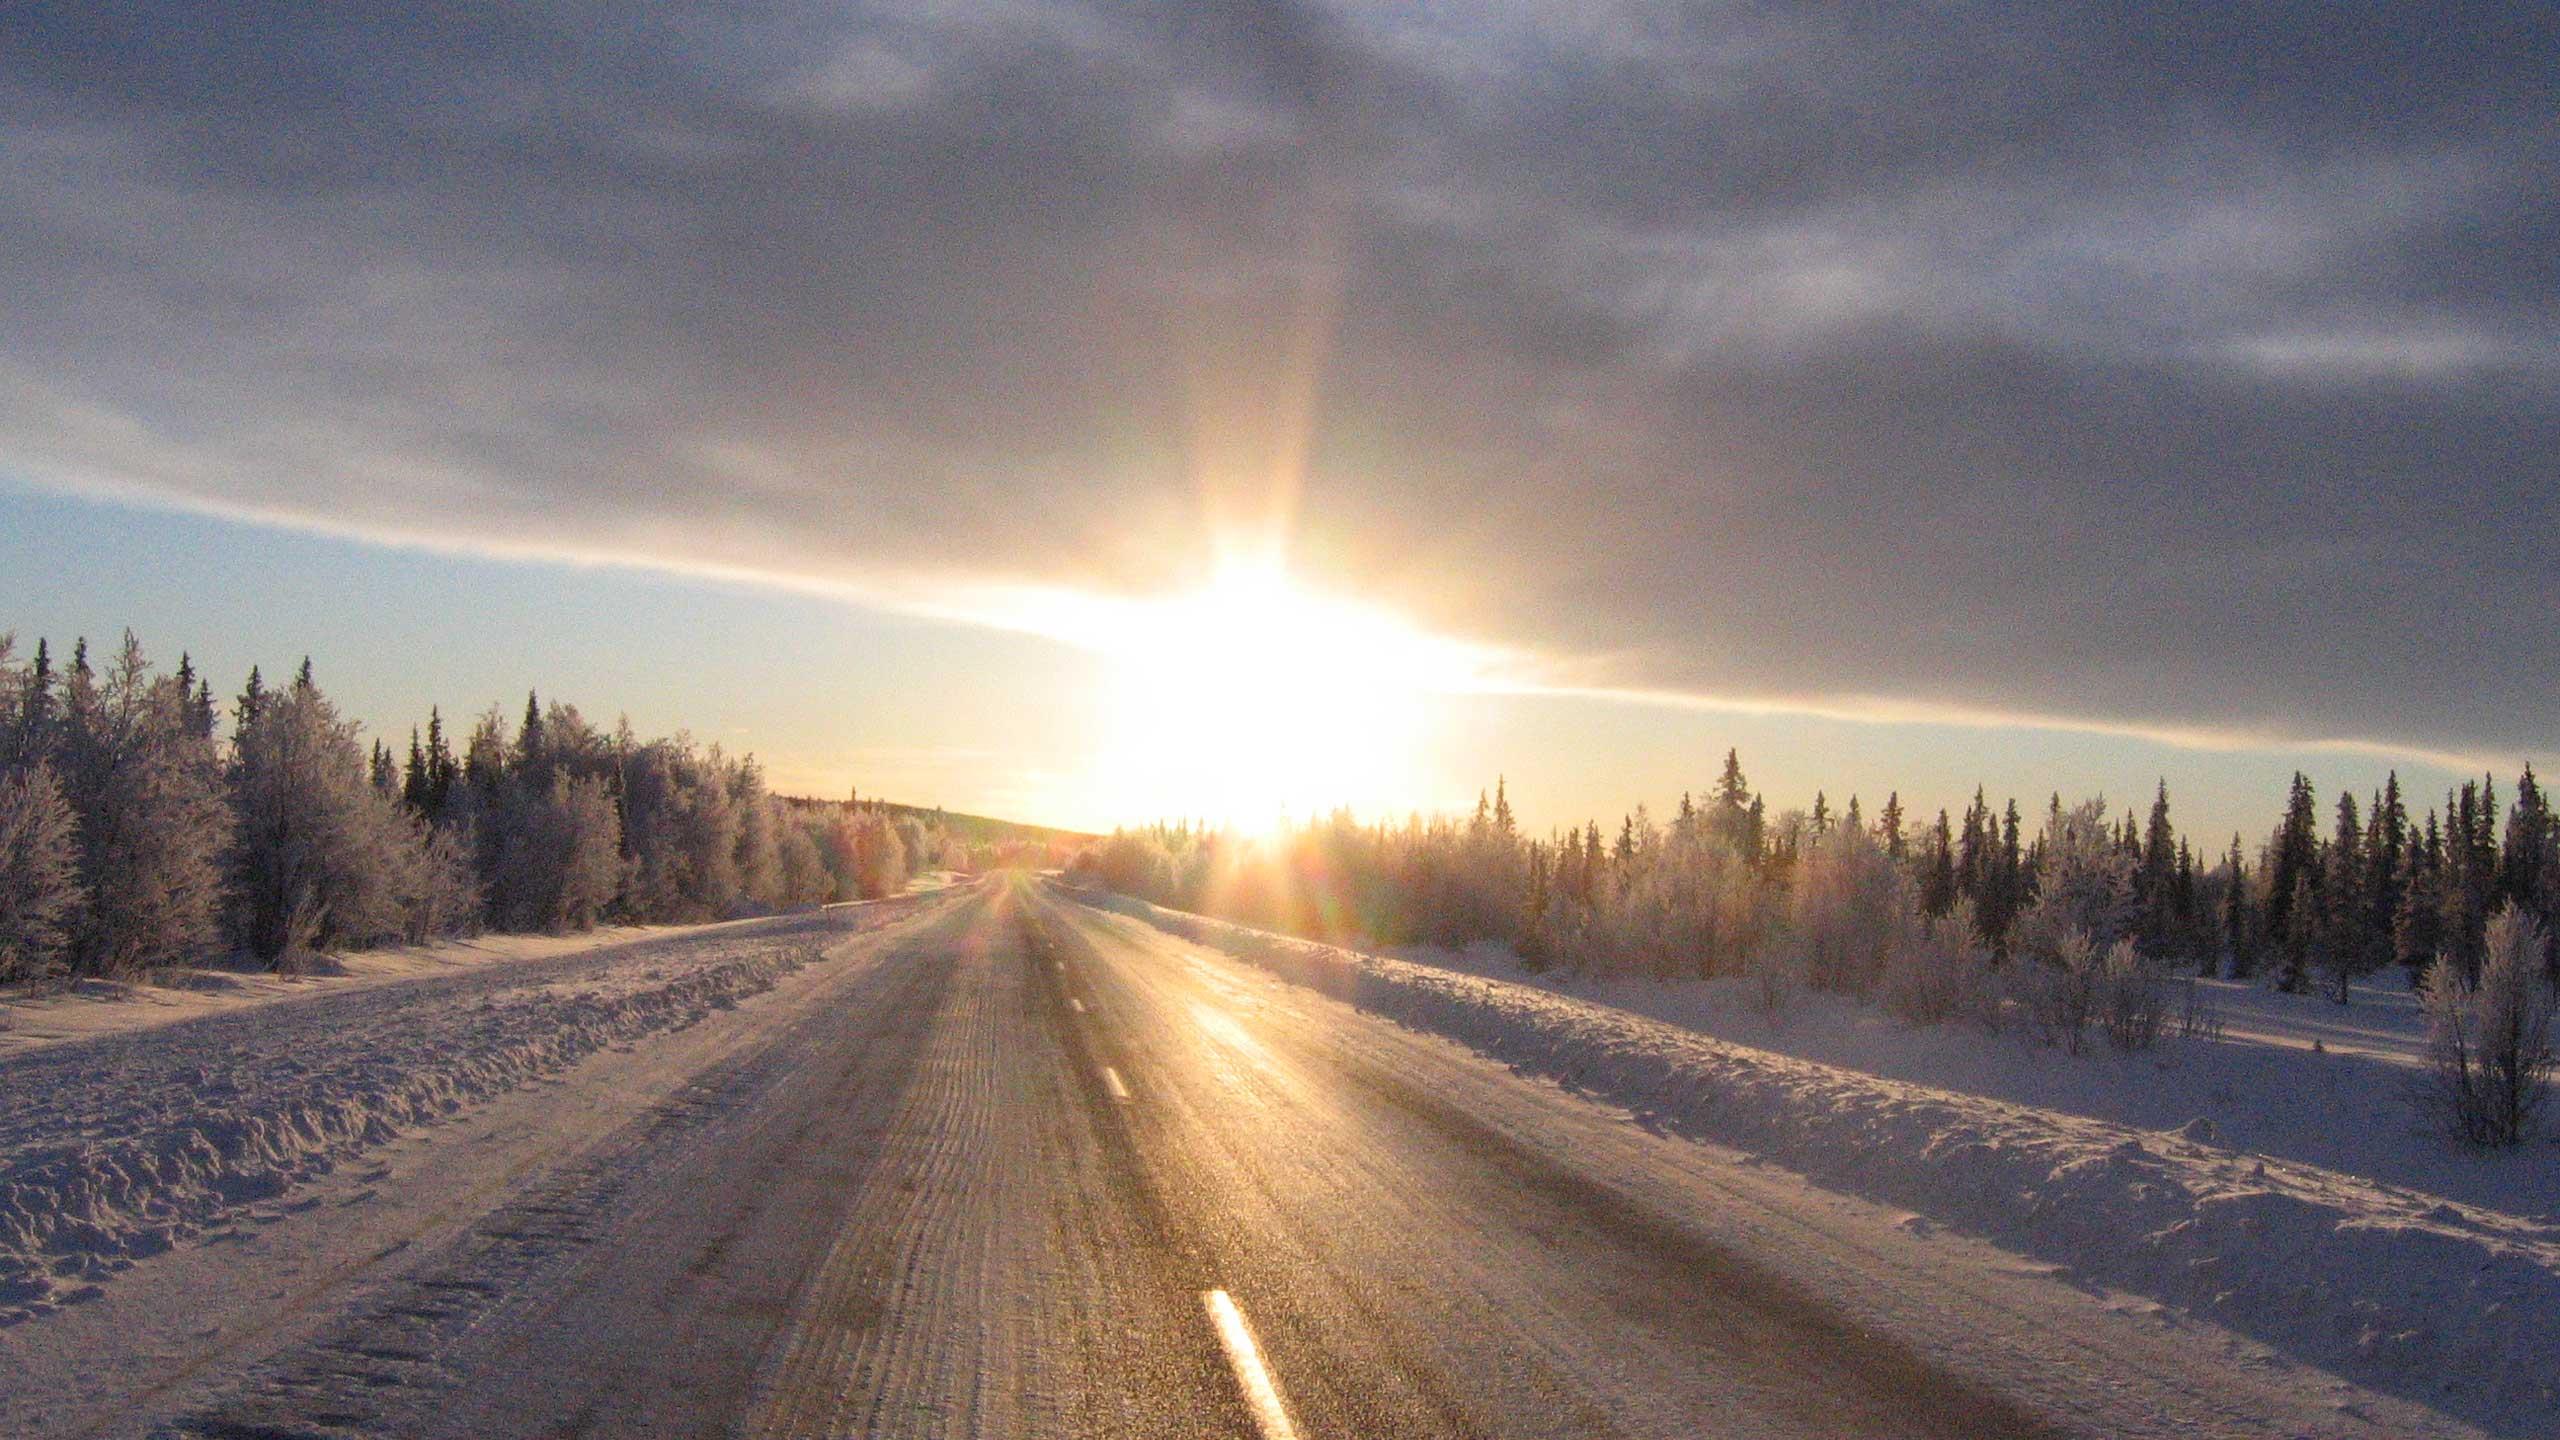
117 1149
2456 1305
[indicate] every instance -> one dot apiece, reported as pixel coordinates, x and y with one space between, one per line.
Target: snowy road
1014 1167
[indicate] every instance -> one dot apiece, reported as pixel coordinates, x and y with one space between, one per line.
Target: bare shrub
1777 978
1941 971
2060 992
2198 1017
2133 998
2489 1055
302 924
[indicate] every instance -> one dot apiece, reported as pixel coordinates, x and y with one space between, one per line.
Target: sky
2052 397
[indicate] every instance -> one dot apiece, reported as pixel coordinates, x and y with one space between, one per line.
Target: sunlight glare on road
1253 697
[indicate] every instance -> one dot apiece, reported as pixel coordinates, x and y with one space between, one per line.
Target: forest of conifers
2321 900
142 824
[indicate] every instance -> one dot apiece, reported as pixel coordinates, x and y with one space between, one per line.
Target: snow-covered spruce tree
2293 859
2467 890
2348 947
2526 856
2297 942
40 890
2155 882
2239 918
322 858
2417 932
2489 1047
143 779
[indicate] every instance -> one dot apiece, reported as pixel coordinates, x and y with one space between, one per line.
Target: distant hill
967 829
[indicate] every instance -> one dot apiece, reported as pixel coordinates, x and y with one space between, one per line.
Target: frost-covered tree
759 857
559 854
40 890
832 832
2489 1049
1850 906
145 784
443 896
323 857
1695 908
805 880
2083 882
882 859
680 830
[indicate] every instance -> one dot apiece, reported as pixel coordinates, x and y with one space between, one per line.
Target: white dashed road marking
1261 1396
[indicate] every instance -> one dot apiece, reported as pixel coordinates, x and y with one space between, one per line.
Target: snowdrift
2453 1305
118 1149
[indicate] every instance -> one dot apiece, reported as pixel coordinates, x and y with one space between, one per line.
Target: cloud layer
2153 367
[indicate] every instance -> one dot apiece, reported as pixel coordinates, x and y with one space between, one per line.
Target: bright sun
1252 698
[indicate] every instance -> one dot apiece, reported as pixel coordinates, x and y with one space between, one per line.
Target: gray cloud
2173 367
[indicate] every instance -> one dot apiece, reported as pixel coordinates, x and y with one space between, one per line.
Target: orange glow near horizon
1251 699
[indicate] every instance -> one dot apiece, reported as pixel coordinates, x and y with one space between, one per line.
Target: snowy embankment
2455 1305
119 1147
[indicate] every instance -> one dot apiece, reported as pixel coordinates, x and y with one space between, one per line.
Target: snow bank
117 1149
2399 1289
2293 1076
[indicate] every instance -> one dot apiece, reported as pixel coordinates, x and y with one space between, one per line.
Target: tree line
2082 927
143 825
1724 876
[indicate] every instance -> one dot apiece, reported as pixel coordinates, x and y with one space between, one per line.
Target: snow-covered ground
135 1118
32 1017
2342 1106
2276 1190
